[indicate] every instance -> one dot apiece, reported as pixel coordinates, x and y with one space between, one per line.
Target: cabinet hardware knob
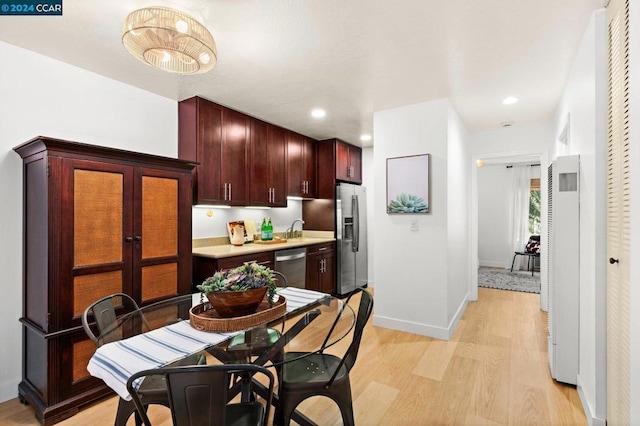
138 238
128 239
612 260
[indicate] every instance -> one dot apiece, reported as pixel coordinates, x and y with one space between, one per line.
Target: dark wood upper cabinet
97 221
268 178
337 162
218 138
348 162
302 180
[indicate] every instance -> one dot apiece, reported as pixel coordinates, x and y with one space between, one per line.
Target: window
534 207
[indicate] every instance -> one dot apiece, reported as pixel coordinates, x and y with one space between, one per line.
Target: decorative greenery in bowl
249 276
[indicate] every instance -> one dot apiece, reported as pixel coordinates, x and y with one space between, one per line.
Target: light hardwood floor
494 371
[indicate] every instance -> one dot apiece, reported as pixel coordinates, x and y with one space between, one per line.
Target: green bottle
269 230
263 230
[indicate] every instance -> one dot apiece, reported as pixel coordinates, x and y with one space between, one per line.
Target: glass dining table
160 335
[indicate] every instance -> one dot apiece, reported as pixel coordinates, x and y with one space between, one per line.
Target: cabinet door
277 159
234 159
342 161
209 151
294 159
328 273
313 274
355 162
260 190
309 168
162 236
265 259
97 236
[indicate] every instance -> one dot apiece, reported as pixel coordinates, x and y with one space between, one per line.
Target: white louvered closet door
618 216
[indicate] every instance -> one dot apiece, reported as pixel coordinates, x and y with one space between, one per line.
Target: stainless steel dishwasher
292 263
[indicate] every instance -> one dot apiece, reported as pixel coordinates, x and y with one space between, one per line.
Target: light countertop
228 250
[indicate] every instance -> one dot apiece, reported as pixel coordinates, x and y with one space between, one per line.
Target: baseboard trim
442 333
591 419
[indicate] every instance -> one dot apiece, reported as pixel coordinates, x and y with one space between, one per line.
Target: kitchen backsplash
205 226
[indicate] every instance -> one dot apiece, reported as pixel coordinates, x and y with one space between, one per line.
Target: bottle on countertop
269 229
263 230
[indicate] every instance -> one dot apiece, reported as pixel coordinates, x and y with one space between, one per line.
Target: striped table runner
115 362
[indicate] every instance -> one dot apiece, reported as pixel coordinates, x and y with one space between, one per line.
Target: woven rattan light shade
170 40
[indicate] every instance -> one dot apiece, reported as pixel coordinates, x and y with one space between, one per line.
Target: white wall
458 184
205 226
584 100
368 182
41 96
412 268
494 245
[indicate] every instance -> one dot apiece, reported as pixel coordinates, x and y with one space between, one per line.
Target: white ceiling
278 59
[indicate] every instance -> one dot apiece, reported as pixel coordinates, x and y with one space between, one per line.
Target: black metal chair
199 395
111 315
532 251
322 374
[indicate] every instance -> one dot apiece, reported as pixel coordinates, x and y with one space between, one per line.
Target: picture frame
408 185
247 237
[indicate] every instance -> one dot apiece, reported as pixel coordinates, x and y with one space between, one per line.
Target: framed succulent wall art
408 184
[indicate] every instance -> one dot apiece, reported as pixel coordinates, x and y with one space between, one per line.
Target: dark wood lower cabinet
56 382
321 270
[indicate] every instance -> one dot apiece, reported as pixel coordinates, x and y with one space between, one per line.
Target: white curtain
519 216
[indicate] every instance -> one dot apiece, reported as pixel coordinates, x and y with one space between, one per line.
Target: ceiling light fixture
170 40
318 113
510 100
365 138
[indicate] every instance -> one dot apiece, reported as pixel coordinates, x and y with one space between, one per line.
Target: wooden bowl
236 303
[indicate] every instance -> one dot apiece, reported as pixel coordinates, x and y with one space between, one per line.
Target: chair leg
513 261
125 410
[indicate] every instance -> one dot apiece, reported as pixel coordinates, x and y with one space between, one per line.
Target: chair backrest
199 395
364 312
284 282
103 312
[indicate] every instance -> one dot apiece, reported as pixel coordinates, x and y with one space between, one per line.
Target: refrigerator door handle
356 222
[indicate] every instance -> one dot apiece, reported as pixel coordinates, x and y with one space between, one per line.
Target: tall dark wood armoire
97 221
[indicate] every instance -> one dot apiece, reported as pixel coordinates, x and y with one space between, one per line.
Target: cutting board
270 241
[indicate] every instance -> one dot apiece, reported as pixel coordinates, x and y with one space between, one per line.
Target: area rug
504 280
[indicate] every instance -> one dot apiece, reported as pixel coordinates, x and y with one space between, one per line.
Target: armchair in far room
531 250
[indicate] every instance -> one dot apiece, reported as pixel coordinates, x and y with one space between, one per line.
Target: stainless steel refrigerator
351 236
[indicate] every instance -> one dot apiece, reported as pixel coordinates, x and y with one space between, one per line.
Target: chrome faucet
290 233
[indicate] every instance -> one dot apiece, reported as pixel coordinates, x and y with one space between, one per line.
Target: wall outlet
413 225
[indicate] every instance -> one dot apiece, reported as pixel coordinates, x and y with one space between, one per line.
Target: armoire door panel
159 237
159 281
83 350
89 288
97 217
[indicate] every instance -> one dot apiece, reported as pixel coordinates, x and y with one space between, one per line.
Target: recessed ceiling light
318 113
510 100
506 124
365 138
